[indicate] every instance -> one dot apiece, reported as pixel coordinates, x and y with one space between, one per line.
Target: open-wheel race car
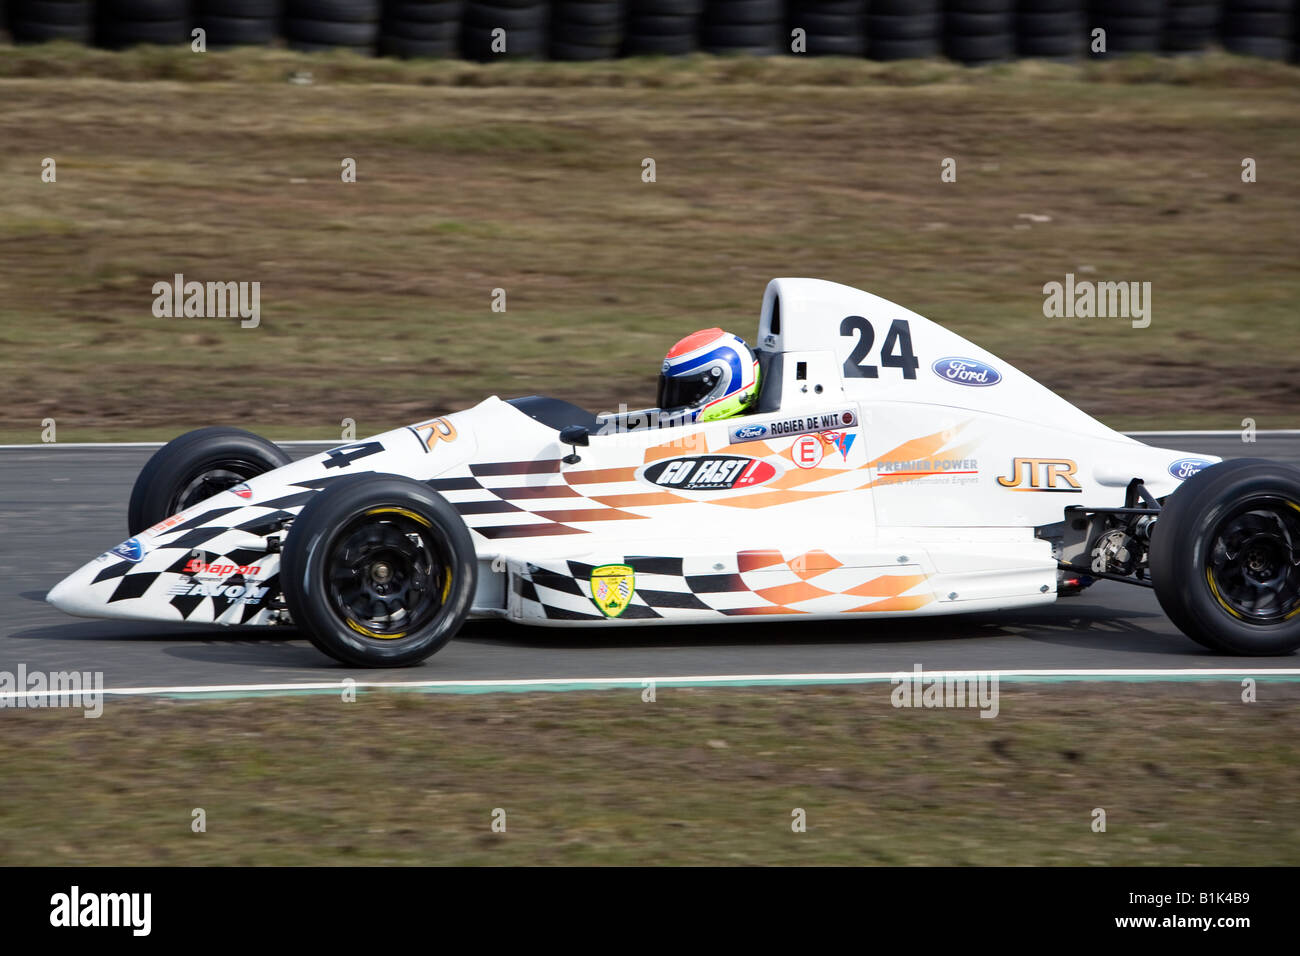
888 468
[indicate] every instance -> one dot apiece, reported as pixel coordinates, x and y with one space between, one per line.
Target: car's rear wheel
378 571
1225 557
195 466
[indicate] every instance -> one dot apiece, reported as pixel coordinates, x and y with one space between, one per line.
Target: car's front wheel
195 466
1225 557
378 571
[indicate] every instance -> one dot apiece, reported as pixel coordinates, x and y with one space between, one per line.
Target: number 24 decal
896 352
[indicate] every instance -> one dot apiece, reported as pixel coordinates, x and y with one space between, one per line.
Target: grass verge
1187 775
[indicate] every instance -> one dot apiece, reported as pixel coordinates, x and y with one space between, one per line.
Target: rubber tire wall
421 28
1132 26
37 21
663 27
1258 28
526 23
831 27
125 23
1051 29
755 27
231 23
979 31
587 29
311 25
904 29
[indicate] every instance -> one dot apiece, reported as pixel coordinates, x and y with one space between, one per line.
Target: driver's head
712 374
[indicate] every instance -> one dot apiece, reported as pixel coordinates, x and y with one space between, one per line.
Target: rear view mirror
573 435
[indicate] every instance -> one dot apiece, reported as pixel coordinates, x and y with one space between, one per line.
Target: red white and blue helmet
712 374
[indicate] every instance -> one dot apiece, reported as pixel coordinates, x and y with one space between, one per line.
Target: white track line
680 681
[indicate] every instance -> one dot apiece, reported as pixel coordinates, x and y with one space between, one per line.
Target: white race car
891 468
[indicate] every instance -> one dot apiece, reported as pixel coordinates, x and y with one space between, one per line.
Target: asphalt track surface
62 505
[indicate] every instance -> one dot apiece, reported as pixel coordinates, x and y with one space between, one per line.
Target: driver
708 376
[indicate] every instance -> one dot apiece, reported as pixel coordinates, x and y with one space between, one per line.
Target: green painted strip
637 684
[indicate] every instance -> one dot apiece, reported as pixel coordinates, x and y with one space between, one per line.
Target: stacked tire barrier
36 21
1051 29
231 23
979 31
904 29
755 27
831 27
1132 26
586 29
311 25
511 29
126 23
966 31
668 27
1190 25
414 28
1258 27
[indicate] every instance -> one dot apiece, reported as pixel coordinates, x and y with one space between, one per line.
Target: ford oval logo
131 549
1184 468
749 432
964 371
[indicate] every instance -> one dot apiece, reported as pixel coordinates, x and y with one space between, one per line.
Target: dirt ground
376 296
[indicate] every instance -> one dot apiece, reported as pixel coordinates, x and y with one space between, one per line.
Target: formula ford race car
890 468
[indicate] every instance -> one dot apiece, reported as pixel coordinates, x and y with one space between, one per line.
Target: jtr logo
1042 474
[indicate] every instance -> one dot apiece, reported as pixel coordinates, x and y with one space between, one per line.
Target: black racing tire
36 31
586 34
729 13
328 34
195 466
749 36
591 12
241 9
1050 45
419 31
476 44
133 10
980 49
408 49
1198 580
353 532
826 44
917 49
67 13
661 26
223 32
582 52
1269 48
489 16
911 27
655 44
431 11
905 7
120 34
978 24
342 11
1056 23
667 8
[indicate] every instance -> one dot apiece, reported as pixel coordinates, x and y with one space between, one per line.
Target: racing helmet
712 374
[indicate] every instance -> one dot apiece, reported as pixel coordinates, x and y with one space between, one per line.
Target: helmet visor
686 391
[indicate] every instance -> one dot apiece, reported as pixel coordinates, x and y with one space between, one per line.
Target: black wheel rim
212 479
1253 565
387 573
